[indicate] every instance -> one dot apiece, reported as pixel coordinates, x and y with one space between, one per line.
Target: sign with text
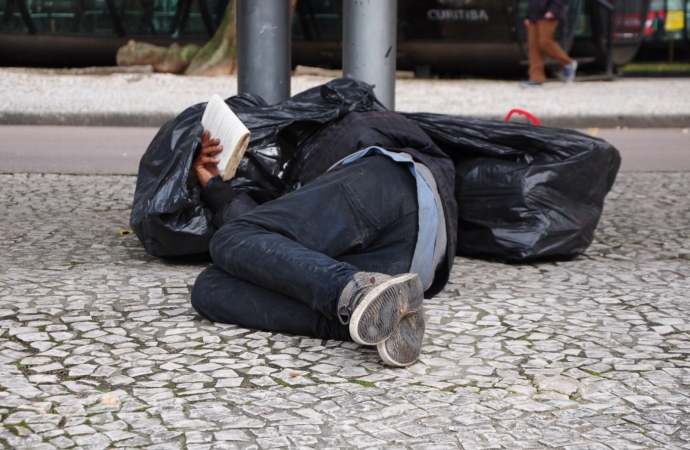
467 20
675 20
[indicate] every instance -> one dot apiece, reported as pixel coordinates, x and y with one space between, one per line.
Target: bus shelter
667 31
446 37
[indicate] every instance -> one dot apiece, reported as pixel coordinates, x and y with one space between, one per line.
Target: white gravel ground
635 102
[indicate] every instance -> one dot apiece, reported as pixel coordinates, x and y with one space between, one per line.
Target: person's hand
549 15
205 165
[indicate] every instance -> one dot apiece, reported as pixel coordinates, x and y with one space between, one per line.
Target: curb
613 121
157 119
655 74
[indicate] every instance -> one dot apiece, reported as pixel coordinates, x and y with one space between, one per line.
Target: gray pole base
369 45
263 49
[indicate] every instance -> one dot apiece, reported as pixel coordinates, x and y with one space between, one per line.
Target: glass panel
297 31
584 25
458 20
627 20
194 26
675 18
654 26
522 13
146 16
320 20
570 27
70 16
218 8
10 18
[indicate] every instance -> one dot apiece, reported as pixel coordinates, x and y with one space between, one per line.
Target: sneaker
530 84
376 303
569 72
405 344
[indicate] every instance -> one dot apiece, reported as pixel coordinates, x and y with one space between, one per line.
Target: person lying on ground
348 256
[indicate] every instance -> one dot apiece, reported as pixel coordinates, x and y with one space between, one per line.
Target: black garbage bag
168 215
524 192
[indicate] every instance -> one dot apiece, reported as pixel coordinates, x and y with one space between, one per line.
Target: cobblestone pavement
99 347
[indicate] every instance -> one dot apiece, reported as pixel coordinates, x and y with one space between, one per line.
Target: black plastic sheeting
168 215
524 192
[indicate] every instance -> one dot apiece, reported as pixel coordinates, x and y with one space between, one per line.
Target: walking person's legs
536 60
549 47
541 42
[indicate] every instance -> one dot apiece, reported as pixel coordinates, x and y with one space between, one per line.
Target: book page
234 136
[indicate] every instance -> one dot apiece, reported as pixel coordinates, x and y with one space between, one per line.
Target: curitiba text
467 15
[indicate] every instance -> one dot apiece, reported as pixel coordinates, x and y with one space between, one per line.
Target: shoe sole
405 344
380 311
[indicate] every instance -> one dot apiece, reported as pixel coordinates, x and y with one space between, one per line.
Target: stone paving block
582 354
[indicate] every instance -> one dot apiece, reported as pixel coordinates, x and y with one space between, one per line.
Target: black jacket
355 132
392 131
537 9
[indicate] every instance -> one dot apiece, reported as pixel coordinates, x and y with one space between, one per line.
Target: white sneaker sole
405 344
380 311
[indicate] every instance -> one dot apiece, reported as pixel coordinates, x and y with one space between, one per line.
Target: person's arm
205 165
555 9
225 201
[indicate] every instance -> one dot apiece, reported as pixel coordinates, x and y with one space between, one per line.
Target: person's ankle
374 304
360 281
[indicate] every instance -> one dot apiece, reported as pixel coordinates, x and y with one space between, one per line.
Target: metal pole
369 45
263 49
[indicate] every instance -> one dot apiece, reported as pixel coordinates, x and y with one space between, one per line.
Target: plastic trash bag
524 192
168 216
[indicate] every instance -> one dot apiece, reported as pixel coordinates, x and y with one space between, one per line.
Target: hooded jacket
356 131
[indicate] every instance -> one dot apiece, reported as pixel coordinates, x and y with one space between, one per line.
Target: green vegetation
364 383
281 382
23 367
656 67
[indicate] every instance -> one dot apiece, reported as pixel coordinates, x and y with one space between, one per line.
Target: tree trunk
219 55
173 59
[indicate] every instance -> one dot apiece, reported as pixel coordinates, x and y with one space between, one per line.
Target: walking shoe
405 344
375 303
569 72
530 84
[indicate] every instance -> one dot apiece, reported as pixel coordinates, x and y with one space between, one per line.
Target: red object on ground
522 112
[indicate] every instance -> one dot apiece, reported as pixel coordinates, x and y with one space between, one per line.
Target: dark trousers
282 266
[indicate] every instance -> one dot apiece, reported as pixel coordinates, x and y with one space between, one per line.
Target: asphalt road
117 150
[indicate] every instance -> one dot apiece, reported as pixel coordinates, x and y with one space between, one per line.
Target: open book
234 136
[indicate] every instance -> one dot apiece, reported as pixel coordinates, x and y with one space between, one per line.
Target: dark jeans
282 266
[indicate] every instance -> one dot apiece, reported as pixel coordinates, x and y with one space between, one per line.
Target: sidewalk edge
156 119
